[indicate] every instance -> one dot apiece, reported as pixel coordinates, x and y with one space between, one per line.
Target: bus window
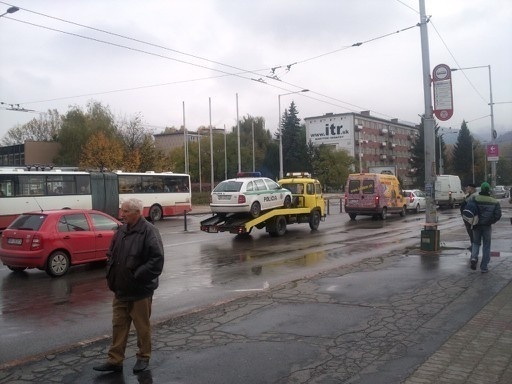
31 185
6 186
152 184
130 184
83 184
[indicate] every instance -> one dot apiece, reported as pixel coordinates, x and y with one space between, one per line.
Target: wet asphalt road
40 314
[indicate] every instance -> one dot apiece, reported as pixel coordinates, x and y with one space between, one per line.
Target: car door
262 193
423 200
274 196
104 228
75 234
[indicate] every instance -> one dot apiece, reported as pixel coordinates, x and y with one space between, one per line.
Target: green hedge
200 198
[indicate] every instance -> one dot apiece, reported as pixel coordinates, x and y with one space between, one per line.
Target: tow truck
308 206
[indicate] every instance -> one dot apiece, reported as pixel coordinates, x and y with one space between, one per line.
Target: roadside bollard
185 224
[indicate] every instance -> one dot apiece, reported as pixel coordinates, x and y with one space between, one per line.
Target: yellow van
374 194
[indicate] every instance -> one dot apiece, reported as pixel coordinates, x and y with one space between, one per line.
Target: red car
54 240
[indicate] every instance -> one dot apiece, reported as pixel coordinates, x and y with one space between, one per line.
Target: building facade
29 153
372 141
167 142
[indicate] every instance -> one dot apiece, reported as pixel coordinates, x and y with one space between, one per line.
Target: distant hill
505 138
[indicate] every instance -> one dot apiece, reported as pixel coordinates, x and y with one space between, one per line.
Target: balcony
383 157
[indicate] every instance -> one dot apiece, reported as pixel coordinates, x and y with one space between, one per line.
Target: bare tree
44 128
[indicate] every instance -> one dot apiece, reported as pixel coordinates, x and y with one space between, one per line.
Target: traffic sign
493 152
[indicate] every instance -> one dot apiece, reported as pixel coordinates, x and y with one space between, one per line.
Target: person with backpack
470 193
489 212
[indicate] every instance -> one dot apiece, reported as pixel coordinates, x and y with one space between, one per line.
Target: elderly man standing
489 212
135 260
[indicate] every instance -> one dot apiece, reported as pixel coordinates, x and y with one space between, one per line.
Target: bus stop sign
443 97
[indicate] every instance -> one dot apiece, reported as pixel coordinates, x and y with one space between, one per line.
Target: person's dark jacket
489 210
135 260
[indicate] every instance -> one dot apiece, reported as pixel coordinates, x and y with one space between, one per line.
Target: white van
448 191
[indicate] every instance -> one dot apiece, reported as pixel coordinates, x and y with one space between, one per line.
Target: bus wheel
402 212
57 264
384 213
155 213
314 220
352 216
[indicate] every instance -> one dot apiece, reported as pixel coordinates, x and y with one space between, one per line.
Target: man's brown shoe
140 365
108 367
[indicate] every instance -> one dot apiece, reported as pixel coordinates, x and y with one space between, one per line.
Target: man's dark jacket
489 210
135 260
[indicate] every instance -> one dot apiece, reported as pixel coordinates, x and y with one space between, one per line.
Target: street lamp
491 104
10 10
279 126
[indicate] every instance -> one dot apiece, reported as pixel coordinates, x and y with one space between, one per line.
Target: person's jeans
482 235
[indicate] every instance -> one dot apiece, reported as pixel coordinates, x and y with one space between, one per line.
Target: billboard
333 130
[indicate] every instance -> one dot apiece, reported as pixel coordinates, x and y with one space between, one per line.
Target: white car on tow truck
249 193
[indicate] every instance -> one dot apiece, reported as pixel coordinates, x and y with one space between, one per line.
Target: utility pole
430 234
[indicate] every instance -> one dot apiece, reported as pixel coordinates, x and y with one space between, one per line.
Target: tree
44 128
418 158
462 155
330 166
295 151
102 153
78 126
151 159
132 132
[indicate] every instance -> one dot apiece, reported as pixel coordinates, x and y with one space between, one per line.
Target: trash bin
430 240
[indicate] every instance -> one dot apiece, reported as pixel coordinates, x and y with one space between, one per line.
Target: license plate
213 229
222 197
353 201
11 240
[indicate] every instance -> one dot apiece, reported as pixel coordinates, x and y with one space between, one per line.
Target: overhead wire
224 73
456 62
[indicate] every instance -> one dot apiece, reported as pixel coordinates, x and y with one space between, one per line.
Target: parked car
249 195
500 192
54 240
416 200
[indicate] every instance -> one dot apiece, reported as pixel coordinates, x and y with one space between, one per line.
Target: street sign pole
430 234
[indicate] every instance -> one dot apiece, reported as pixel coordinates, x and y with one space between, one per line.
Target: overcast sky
188 51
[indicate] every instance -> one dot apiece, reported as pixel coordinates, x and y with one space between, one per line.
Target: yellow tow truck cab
308 206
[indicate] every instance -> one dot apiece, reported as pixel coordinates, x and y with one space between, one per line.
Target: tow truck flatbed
243 223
